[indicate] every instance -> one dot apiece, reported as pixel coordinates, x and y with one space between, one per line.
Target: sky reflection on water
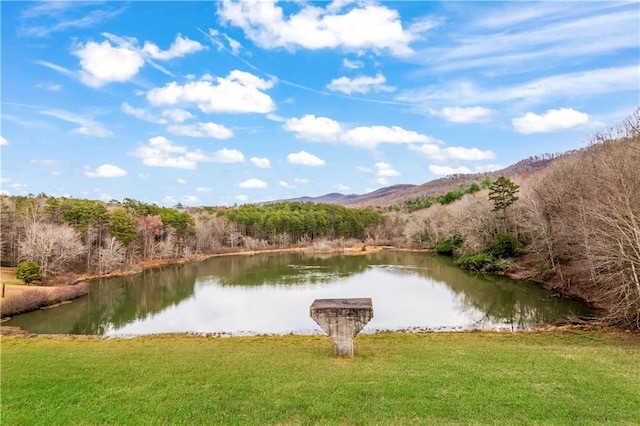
272 293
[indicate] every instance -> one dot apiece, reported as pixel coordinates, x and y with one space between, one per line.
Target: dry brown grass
8 276
23 299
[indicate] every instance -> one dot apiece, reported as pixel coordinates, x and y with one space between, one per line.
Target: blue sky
218 103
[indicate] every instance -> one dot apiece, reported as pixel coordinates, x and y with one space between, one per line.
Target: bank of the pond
570 377
21 298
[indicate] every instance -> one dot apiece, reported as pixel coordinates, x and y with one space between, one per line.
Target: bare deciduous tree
110 256
53 247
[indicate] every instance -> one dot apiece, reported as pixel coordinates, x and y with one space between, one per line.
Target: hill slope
398 194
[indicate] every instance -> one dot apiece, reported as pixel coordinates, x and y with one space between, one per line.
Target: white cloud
106 171
369 137
228 156
361 84
88 127
276 118
553 120
181 181
3 141
203 189
19 186
201 130
301 181
105 197
252 184
447 170
341 187
384 171
352 65
161 152
314 128
178 115
287 185
242 197
93 131
103 63
464 115
239 92
263 163
191 199
180 47
217 38
452 153
304 158
365 26
141 114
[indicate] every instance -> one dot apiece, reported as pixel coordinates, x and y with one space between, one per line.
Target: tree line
68 234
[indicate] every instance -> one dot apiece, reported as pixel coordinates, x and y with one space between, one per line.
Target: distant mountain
398 194
333 198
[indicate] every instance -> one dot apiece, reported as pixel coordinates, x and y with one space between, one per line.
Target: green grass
433 378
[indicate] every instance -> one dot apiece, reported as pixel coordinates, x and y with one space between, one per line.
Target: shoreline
24 295
20 297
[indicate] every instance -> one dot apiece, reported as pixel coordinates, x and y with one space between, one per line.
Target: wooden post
3 289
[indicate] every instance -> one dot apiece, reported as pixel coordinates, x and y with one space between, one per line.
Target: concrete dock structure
342 319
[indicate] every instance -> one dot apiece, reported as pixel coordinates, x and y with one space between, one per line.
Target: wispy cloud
45 18
88 126
561 86
530 36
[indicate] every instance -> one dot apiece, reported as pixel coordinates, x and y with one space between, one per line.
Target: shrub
505 245
29 272
479 262
450 197
473 188
449 245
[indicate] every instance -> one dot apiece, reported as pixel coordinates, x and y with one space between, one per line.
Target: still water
271 293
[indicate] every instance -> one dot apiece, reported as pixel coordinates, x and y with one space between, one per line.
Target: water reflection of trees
116 302
503 301
113 303
280 269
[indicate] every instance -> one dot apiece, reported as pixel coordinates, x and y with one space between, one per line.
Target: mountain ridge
398 194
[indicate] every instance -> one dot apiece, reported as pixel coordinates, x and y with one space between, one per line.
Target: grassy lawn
433 378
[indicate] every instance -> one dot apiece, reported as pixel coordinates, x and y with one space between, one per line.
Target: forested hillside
65 234
574 226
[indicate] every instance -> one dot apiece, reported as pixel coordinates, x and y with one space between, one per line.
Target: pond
271 294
